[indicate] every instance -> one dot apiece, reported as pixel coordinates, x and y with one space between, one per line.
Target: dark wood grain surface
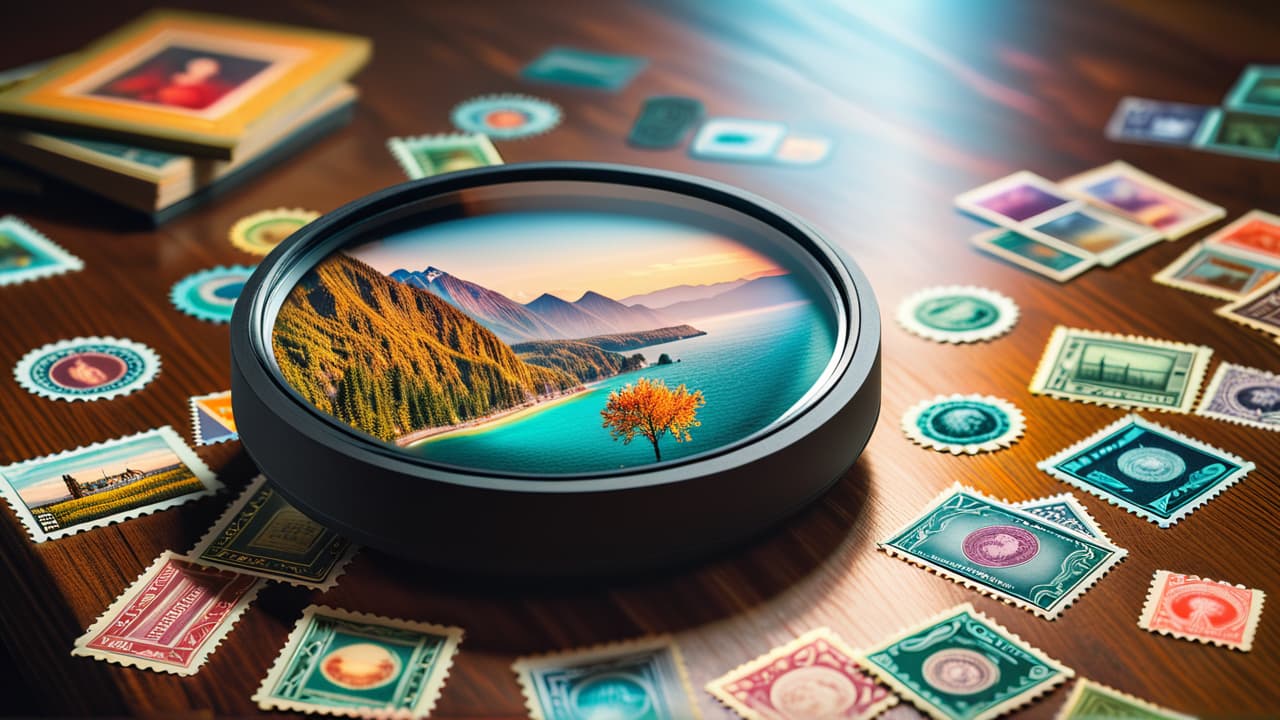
925 100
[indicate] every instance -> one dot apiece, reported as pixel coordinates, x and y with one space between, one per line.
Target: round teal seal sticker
210 294
967 424
506 117
93 368
958 314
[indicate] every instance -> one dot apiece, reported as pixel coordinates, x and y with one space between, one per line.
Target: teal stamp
26 254
1121 370
92 368
1147 469
1054 262
967 424
1257 90
1065 510
958 314
430 155
353 664
570 66
1004 552
505 117
1248 134
639 680
964 666
210 294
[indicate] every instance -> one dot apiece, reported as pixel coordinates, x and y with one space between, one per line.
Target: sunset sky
40 482
523 255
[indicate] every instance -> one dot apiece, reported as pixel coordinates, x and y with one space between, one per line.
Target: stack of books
176 107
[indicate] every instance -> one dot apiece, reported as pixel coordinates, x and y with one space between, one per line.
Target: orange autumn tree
651 409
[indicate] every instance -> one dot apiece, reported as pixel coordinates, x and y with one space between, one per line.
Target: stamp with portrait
1207 611
1243 395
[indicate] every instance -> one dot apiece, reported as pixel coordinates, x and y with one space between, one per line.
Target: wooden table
925 100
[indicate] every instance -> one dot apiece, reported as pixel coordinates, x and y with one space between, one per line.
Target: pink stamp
810 677
171 618
1194 608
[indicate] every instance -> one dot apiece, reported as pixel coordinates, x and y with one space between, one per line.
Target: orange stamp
1194 608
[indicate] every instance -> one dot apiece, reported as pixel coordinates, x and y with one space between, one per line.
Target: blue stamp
506 117
212 421
1147 469
1257 90
639 680
1156 121
26 254
1243 395
737 139
967 424
1065 510
92 368
210 294
569 66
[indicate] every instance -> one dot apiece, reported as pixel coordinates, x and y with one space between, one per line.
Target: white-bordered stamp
1121 370
1124 189
621 679
212 421
354 664
261 534
962 664
27 254
1093 701
1151 471
1067 511
104 483
1217 272
967 424
171 619
812 676
1243 395
1259 309
87 368
1052 261
958 314
1105 235
1255 233
1015 199
1208 611
428 155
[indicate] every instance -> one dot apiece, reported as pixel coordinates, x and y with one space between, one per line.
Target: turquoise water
750 368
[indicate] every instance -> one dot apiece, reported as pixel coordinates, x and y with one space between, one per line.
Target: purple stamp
1243 395
1000 546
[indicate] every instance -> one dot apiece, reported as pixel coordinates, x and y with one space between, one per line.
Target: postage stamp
570 66
1091 701
1259 309
353 664
1015 199
1065 510
428 155
87 368
1218 272
261 534
1257 90
664 121
1003 552
1121 370
1256 232
1254 135
962 664
644 679
813 676
1126 190
958 314
505 117
1156 121
210 294
1051 261
96 485
171 619
1147 469
1243 395
261 232
724 138
1106 236
211 418
1209 611
27 254
967 424
798 149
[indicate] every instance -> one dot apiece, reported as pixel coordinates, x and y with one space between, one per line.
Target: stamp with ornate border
210 294
428 155
962 664
1056 263
261 534
1217 272
104 483
1130 192
202 606
1202 610
1015 199
1093 701
262 231
505 117
1001 551
964 424
1259 309
618 679
354 664
1243 395
87 368
27 254
1065 510
1121 370
812 676
1151 471
211 419
957 314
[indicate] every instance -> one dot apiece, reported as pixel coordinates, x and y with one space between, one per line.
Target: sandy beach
489 422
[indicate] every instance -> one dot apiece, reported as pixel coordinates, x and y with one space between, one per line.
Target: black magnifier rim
253 322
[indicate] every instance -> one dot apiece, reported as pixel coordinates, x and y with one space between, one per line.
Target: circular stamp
360 666
960 671
261 232
967 424
210 294
1151 465
1000 546
813 691
93 368
506 117
956 314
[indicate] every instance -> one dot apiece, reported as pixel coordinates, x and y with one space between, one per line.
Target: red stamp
171 618
1209 611
1256 232
813 676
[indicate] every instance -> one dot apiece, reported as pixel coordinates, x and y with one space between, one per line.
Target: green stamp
261 534
957 314
962 665
429 155
1255 135
1090 701
1004 552
353 664
1065 510
964 423
1121 370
